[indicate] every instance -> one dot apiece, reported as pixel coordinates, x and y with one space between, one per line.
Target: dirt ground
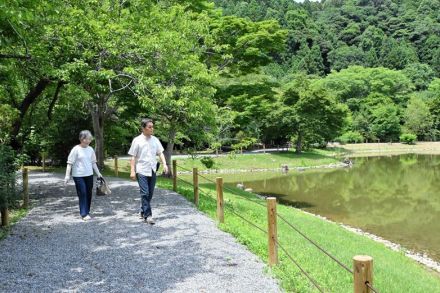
375 149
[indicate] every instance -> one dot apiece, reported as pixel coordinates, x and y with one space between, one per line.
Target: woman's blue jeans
84 187
146 187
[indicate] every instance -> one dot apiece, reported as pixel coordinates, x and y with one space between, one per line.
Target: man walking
143 165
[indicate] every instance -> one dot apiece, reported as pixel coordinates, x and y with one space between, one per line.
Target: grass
250 161
393 271
378 149
14 216
264 161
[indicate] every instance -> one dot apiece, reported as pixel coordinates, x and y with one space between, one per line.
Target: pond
395 197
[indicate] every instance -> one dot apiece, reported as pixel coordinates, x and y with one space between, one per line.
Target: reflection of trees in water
396 197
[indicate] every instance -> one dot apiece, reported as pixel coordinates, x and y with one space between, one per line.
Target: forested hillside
335 34
378 59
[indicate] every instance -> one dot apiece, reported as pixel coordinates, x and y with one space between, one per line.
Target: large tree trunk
169 150
98 112
30 98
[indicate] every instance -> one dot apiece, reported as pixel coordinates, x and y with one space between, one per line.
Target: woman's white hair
84 134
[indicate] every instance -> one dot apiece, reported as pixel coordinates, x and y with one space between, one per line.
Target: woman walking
82 162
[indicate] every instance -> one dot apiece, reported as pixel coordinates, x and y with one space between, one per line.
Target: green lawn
264 161
250 161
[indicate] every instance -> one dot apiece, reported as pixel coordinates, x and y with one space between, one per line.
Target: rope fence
313 281
292 226
362 265
231 208
316 245
371 287
233 191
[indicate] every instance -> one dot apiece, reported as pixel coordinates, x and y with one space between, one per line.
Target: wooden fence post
5 217
116 166
272 230
25 188
363 272
196 186
220 203
174 175
43 161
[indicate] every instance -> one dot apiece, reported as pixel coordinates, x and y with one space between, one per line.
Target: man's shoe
150 220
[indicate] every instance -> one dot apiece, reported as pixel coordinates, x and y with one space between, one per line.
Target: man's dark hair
145 121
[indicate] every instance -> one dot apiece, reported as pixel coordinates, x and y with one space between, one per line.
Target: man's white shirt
145 150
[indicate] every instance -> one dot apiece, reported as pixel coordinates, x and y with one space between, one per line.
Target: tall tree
311 113
418 119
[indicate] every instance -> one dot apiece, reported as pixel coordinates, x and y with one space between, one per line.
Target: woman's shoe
86 218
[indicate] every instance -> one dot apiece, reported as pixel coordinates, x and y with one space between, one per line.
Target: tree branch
24 41
127 85
54 99
30 98
14 56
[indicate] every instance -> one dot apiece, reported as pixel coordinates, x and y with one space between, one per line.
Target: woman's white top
82 160
145 149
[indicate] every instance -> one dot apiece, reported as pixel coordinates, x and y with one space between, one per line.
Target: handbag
102 187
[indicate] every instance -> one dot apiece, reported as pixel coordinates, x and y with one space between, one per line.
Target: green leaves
245 45
418 119
311 113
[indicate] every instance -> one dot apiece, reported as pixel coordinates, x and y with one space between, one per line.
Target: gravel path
53 250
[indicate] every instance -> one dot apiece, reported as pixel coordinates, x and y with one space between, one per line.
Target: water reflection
396 197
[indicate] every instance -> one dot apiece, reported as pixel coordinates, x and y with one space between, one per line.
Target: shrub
408 138
208 162
244 144
8 193
350 137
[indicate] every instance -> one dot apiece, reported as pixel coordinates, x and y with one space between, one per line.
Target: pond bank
383 149
417 256
285 170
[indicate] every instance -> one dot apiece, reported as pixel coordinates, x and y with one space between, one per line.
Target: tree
349 34
240 46
25 69
397 55
344 56
430 53
420 74
312 115
91 39
175 85
433 101
251 99
385 122
357 83
418 119
308 60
